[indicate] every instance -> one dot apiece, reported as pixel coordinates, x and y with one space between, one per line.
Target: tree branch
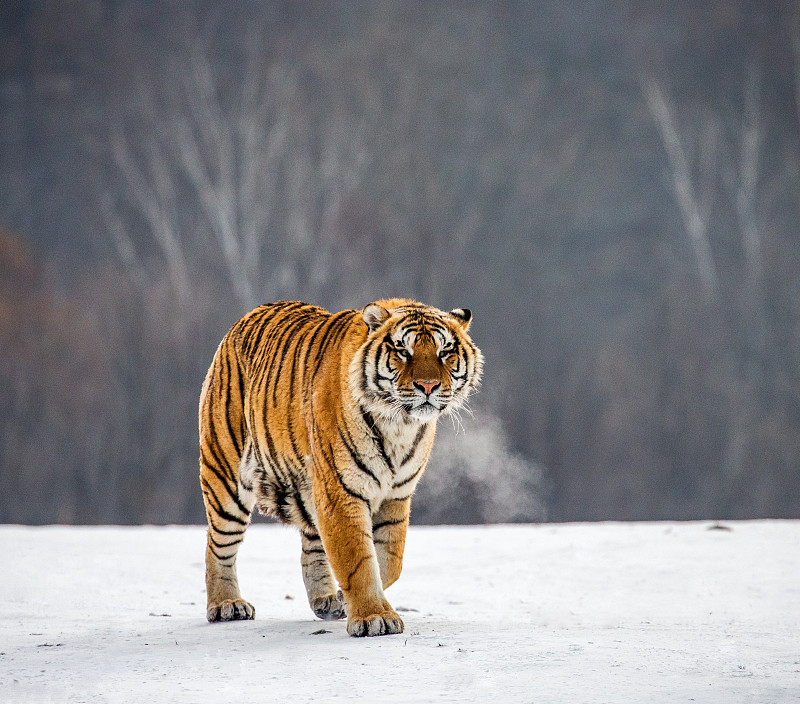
685 196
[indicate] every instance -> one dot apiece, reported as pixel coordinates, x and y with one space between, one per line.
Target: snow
655 612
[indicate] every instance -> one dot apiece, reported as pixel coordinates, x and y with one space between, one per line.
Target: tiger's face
418 362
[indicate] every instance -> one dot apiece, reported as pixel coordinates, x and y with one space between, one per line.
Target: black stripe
281 471
357 458
276 330
376 364
215 464
248 458
225 545
227 532
390 522
377 436
298 451
216 506
406 481
273 371
364 385
350 491
257 327
339 327
298 347
414 445
233 494
381 351
272 458
217 451
353 572
299 455
311 343
240 376
290 328
330 458
401 498
278 476
242 394
273 374
281 507
455 373
314 551
261 461
329 327
304 514
420 333
228 396
300 503
245 328
221 558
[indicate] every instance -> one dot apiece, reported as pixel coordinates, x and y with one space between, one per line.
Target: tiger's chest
374 463
387 462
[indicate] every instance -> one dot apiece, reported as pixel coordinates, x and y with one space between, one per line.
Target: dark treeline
612 187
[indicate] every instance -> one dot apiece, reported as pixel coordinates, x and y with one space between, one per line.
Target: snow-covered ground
648 612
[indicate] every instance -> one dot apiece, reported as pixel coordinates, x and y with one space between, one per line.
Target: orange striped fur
326 421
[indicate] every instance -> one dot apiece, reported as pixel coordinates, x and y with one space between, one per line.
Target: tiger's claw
231 610
375 625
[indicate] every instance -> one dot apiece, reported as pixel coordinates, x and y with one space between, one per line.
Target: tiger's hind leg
224 447
323 597
228 509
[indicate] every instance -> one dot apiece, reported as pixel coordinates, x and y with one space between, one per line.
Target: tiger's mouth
426 410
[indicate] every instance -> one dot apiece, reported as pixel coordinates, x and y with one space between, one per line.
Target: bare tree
151 188
235 165
329 161
734 166
230 156
745 182
198 158
694 194
688 200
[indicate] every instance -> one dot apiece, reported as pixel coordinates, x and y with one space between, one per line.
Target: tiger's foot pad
375 625
231 610
330 607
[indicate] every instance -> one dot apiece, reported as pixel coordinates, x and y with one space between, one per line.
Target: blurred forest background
612 187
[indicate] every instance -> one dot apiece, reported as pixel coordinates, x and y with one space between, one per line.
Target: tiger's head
417 362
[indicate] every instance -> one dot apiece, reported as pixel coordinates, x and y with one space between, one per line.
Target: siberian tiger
326 421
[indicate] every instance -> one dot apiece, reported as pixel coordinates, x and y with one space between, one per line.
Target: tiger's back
300 416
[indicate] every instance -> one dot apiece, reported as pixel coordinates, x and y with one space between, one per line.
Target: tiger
326 422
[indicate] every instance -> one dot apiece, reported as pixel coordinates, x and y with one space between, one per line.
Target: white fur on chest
393 457
375 463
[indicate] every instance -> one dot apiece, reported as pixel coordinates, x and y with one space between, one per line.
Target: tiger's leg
389 527
323 598
346 530
224 447
228 509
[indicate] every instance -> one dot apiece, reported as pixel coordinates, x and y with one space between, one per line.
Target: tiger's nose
428 387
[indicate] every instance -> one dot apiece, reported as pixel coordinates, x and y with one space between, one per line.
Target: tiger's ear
463 315
375 316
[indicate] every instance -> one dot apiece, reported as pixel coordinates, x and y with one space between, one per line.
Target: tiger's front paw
231 610
330 607
382 624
